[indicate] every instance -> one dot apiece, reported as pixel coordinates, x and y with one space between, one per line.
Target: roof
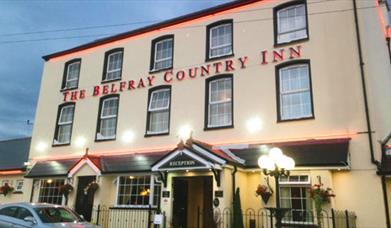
52 168
14 153
157 26
310 153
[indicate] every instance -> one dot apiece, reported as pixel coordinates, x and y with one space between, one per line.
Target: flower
65 189
321 195
6 188
262 189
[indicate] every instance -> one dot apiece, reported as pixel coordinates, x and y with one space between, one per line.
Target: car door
7 216
22 213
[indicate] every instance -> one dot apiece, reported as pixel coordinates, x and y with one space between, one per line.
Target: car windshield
56 215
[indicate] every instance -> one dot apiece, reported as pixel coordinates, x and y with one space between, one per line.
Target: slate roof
313 153
14 153
52 168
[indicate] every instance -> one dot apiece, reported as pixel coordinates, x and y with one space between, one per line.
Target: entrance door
84 202
193 202
180 203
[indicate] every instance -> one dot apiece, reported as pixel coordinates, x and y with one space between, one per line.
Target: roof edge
149 28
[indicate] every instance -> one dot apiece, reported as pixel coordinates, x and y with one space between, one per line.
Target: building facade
174 116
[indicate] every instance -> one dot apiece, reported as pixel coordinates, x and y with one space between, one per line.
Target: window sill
153 71
296 119
218 127
112 80
276 45
132 207
105 139
156 134
210 59
68 89
61 144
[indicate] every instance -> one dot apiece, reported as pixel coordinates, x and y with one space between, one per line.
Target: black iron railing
263 218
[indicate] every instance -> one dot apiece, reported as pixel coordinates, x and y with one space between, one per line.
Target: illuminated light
131 177
187 170
11 172
128 136
41 146
289 163
381 18
177 25
80 142
275 153
49 181
254 125
265 162
145 192
27 163
184 132
140 158
264 149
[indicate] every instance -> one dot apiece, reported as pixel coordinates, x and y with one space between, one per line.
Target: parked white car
40 215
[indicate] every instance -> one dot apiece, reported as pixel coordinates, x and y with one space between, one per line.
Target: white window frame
210 102
59 124
54 179
297 91
67 80
17 185
164 59
151 193
152 110
99 136
114 70
219 46
297 184
293 30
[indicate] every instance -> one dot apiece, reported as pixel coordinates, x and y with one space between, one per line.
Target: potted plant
6 188
91 187
265 192
65 189
320 196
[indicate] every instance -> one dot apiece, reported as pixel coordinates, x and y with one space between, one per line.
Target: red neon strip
336 136
381 18
11 172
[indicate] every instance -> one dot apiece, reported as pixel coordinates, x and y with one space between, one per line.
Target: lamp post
277 165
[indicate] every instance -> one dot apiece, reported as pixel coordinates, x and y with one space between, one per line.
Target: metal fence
123 217
263 218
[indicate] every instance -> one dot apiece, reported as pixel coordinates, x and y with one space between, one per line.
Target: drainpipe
234 182
388 44
369 127
362 73
383 181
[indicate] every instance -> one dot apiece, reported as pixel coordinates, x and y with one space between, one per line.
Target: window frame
207 98
98 125
208 39
59 112
152 183
275 21
65 74
297 184
106 65
16 186
150 93
154 44
277 72
41 182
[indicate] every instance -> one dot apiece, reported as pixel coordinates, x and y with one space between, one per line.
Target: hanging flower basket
65 190
91 188
265 192
320 196
6 189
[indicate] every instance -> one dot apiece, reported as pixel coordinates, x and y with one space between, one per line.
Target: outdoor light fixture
277 165
41 146
184 132
127 136
254 125
49 181
80 141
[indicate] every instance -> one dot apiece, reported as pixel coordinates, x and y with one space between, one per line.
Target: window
113 64
219 102
9 211
162 53
64 124
71 74
158 120
294 193
23 213
294 91
49 191
219 39
139 191
19 186
290 22
107 119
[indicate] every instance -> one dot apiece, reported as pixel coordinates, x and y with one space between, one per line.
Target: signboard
166 194
218 193
158 219
182 160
